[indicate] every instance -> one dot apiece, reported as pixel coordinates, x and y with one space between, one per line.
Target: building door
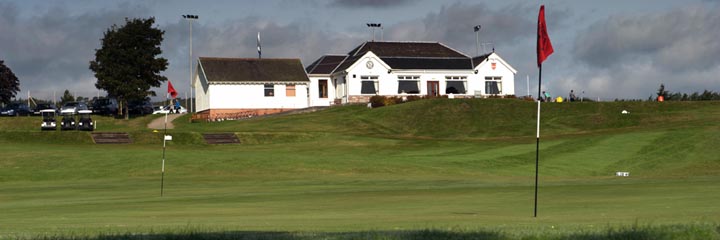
323 88
433 88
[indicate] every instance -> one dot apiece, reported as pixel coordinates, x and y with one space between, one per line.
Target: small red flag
171 90
544 47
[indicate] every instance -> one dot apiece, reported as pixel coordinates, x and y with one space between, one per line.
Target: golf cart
48 122
85 123
68 120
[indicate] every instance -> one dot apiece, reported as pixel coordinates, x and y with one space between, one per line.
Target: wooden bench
221 138
111 138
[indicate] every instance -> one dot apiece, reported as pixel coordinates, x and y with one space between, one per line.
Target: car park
74 107
68 120
105 106
16 109
168 109
140 107
85 122
48 119
43 106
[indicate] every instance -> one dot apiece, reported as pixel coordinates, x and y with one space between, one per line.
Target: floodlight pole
190 19
477 39
373 26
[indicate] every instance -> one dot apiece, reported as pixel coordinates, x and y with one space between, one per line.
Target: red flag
171 90
544 47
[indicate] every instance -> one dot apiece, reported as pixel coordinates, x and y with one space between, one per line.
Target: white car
168 109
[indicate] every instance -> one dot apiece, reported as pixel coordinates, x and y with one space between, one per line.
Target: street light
190 18
477 39
376 25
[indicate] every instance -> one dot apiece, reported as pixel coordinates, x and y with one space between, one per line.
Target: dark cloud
50 52
633 55
369 3
682 39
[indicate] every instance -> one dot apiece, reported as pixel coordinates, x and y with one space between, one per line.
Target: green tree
66 97
9 83
127 66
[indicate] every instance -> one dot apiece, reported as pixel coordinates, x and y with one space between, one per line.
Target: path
159 123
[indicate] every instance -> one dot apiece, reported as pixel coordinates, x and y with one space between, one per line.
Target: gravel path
159 123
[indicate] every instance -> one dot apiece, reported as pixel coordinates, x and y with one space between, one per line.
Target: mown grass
357 173
689 232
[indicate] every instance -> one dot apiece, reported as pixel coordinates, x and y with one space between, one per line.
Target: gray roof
325 64
409 55
253 70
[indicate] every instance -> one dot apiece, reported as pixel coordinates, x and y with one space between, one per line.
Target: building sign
493 65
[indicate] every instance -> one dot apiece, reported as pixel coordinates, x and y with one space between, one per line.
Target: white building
226 86
407 68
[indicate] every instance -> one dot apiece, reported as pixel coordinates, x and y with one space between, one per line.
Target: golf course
427 169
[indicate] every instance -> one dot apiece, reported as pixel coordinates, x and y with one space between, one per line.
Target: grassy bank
352 172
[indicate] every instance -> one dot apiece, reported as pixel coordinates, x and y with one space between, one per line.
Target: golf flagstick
544 49
162 178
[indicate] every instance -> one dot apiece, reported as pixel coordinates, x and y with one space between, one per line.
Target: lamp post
190 19
373 26
477 40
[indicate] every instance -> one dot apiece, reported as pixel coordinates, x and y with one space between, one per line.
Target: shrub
413 98
377 101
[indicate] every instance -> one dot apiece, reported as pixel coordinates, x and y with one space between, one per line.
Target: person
177 106
547 96
572 96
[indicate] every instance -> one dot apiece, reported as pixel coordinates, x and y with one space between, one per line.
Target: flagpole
537 146
544 49
162 178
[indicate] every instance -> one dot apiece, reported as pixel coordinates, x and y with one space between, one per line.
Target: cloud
678 47
369 3
453 25
50 52
680 39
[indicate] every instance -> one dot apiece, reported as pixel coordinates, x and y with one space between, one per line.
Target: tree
66 97
127 66
9 83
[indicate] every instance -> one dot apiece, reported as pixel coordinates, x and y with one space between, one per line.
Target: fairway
352 169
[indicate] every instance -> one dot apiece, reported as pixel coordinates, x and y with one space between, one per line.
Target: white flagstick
162 178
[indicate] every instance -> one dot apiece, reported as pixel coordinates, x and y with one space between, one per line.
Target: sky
603 49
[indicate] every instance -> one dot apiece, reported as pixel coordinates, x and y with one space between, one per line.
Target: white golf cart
68 120
85 122
48 122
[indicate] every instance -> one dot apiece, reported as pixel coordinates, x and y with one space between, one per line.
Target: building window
455 84
269 90
323 88
408 84
493 85
369 85
290 90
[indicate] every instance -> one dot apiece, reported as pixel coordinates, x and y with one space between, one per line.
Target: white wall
315 99
502 69
252 96
201 93
388 82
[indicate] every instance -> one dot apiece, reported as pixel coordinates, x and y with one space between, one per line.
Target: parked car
85 122
16 109
73 107
48 122
140 107
68 120
42 106
105 106
168 109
